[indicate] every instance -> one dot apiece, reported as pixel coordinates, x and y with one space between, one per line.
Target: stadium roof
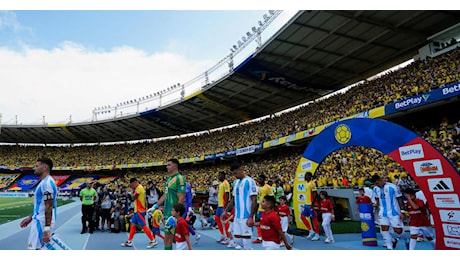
315 53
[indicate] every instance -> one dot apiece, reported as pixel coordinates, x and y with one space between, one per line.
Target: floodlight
272 12
248 34
260 24
254 29
265 17
240 44
234 47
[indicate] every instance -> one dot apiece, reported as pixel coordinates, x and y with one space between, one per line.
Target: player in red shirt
182 236
419 222
270 225
362 199
327 210
284 212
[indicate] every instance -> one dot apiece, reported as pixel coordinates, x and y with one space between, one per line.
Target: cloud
73 80
8 21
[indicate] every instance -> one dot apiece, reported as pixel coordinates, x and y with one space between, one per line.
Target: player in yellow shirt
138 218
308 212
264 190
223 197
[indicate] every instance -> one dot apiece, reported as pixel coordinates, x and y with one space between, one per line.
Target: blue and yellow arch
426 165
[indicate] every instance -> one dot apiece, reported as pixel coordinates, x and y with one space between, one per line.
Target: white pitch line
86 242
134 246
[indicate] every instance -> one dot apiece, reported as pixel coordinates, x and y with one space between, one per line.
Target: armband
47 196
47 228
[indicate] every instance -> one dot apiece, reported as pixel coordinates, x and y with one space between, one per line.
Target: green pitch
14 208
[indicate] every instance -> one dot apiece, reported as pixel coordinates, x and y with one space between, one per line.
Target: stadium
306 100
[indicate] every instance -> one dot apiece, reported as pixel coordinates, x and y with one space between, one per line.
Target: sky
60 60
58 65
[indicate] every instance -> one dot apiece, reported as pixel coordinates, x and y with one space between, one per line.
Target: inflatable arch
434 174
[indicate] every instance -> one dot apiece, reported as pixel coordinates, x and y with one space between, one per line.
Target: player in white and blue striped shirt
43 216
244 201
389 201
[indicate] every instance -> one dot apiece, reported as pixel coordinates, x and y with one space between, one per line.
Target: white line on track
86 242
134 246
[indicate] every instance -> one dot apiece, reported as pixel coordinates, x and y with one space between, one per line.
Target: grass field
14 208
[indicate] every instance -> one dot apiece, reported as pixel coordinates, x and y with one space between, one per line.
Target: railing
178 92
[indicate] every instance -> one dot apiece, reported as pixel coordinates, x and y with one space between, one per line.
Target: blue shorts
219 211
308 212
138 218
155 230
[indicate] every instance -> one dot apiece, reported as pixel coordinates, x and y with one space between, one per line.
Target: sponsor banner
209 157
364 114
452 216
377 112
219 155
14 195
301 176
420 100
309 132
301 198
301 187
291 138
230 153
452 242
451 90
440 185
411 152
428 168
451 230
246 150
251 68
307 166
446 200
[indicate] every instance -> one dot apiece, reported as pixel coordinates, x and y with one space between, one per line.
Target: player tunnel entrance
425 164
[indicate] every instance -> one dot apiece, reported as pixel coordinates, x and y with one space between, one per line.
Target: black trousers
87 215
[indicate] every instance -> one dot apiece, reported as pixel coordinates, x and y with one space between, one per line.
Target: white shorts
36 234
230 227
181 245
394 221
426 231
240 228
284 223
270 245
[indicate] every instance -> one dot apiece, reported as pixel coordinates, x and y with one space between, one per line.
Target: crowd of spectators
418 77
345 168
